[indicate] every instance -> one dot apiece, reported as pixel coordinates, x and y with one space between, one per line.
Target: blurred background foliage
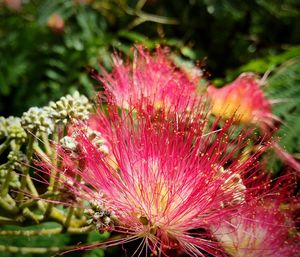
46 46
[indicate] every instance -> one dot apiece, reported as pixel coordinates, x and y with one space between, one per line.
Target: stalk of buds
28 136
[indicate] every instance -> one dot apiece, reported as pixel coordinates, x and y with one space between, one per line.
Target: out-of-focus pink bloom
167 185
153 79
244 99
262 229
56 23
13 4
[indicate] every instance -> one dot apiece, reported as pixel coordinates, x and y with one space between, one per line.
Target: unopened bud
69 143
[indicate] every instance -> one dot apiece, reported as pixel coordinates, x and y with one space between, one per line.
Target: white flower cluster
37 119
70 107
99 216
11 128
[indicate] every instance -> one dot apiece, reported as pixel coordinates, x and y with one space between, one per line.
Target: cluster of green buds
17 160
70 144
99 216
33 133
14 179
16 163
37 119
12 136
12 130
70 107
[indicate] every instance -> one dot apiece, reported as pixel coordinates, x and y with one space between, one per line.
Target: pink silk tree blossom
261 229
153 77
166 180
244 99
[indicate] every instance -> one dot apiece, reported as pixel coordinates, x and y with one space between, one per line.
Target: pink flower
13 4
168 182
56 23
244 99
151 77
262 228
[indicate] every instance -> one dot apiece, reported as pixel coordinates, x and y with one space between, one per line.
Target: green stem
140 4
59 217
25 178
41 153
5 186
31 139
71 210
52 190
53 173
68 218
49 209
33 250
46 143
9 205
8 221
41 232
30 202
143 16
35 217
55 159
4 145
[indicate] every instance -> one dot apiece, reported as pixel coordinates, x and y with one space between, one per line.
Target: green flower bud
70 107
14 177
69 143
99 216
17 160
37 118
11 128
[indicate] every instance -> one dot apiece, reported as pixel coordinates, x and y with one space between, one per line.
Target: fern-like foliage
284 88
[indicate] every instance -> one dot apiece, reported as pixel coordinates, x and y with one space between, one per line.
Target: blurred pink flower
13 4
262 229
151 78
56 23
244 99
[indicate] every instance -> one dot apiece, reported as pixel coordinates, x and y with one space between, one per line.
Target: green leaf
57 240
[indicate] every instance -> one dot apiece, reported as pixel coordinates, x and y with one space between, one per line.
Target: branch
24 250
46 232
